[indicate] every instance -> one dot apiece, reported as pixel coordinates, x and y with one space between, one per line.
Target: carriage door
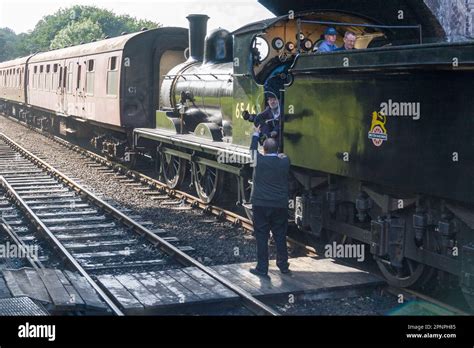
60 90
68 88
79 89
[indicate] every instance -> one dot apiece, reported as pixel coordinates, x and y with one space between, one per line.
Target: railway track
150 186
156 189
91 235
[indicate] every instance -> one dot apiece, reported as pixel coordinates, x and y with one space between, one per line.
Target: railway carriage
98 91
12 81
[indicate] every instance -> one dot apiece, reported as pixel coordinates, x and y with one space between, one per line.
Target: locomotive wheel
208 182
411 274
173 169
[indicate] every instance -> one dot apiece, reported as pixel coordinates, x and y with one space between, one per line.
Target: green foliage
77 33
8 44
66 27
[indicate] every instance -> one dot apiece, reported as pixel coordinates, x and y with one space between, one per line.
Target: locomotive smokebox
197 34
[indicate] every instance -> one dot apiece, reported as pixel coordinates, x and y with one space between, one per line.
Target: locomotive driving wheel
173 169
409 274
208 182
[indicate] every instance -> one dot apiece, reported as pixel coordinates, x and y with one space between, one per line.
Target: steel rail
248 300
5 226
49 235
195 202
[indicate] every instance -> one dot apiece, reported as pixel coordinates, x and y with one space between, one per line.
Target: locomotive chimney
197 34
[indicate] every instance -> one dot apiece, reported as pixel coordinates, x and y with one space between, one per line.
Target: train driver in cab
350 39
329 44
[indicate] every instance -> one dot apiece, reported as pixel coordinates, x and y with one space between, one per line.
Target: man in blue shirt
329 45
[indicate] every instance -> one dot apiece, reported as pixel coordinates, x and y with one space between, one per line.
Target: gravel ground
375 302
214 242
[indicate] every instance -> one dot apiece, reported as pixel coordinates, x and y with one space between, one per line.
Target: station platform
158 292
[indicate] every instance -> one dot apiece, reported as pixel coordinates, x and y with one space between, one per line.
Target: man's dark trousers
276 220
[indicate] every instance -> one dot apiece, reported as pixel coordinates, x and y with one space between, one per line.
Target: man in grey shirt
269 200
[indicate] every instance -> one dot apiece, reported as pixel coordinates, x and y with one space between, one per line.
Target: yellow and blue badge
378 132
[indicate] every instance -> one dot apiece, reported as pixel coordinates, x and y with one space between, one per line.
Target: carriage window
112 76
113 63
35 77
41 78
90 77
47 79
60 76
64 77
79 72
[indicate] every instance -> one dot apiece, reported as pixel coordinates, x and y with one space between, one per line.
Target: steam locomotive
380 138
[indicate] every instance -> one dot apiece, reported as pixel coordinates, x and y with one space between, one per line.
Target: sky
22 15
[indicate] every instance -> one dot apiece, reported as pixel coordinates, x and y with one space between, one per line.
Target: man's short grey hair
270 146
350 33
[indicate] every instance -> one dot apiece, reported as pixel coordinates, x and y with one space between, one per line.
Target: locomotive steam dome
218 47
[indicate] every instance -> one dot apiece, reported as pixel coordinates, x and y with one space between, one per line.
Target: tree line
67 27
